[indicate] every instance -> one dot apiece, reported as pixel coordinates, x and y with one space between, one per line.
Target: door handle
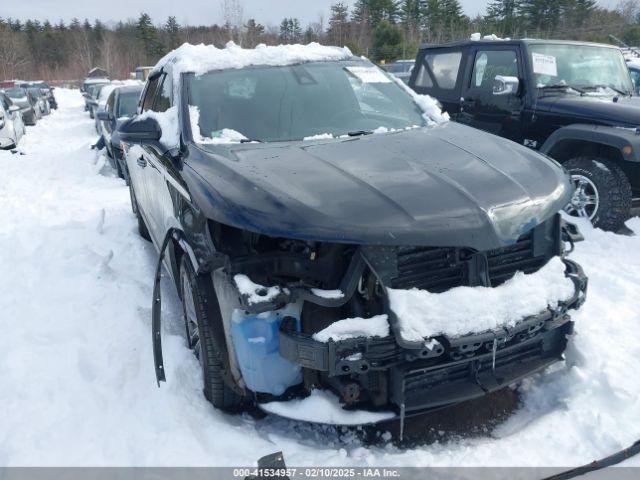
141 161
464 103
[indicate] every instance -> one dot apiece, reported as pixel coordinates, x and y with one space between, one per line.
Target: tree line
381 29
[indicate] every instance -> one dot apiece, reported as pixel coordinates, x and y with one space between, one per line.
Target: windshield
285 103
15 93
105 92
128 104
583 66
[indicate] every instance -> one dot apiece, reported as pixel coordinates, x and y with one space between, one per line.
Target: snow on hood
464 310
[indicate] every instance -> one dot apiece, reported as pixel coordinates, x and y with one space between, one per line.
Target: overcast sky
192 12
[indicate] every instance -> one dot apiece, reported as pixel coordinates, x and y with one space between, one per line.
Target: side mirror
141 130
14 108
505 85
103 115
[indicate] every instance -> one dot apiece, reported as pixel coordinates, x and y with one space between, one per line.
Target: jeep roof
521 41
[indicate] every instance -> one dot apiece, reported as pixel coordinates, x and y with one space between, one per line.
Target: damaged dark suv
332 236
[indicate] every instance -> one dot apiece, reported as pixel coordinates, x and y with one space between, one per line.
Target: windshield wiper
556 86
358 133
249 140
624 93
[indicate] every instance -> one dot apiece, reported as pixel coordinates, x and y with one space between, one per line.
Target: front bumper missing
449 370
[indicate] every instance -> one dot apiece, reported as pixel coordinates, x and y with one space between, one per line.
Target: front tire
201 312
602 192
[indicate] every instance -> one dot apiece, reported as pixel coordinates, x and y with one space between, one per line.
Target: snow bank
465 310
323 407
377 326
255 292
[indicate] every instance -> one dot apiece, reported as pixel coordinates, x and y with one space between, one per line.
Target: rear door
438 73
480 107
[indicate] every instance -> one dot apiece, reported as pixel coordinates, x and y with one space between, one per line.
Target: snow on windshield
203 59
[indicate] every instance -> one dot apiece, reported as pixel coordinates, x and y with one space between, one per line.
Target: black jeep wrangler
573 101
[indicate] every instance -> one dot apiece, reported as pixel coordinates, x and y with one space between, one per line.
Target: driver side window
489 63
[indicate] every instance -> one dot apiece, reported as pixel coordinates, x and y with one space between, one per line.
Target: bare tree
13 54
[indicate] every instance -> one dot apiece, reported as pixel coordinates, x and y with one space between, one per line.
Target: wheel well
568 149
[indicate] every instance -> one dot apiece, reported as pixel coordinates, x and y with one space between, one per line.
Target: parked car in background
400 68
634 71
573 101
141 73
39 100
121 105
46 90
101 102
11 124
298 219
88 88
27 103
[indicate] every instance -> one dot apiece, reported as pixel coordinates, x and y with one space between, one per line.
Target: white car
11 124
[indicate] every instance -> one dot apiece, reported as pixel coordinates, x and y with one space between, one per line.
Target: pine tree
148 35
577 12
290 30
253 32
338 24
173 32
387 42
296 30
503 17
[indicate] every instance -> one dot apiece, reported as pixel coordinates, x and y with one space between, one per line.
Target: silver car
11 124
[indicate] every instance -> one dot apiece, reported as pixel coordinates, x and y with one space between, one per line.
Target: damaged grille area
436 385
440 269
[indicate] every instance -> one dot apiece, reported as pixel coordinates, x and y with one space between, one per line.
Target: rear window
443 66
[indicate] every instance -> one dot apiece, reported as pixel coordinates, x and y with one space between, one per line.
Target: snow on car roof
203 58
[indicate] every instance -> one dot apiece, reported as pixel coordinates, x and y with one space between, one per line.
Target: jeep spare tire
602 192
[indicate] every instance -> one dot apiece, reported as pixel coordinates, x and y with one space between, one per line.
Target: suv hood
449 185
624 112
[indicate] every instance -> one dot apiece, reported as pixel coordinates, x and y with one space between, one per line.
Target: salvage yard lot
77 382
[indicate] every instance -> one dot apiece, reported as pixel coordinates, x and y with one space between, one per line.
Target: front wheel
201 314
602 192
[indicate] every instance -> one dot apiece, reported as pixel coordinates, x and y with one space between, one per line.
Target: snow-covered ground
77 384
